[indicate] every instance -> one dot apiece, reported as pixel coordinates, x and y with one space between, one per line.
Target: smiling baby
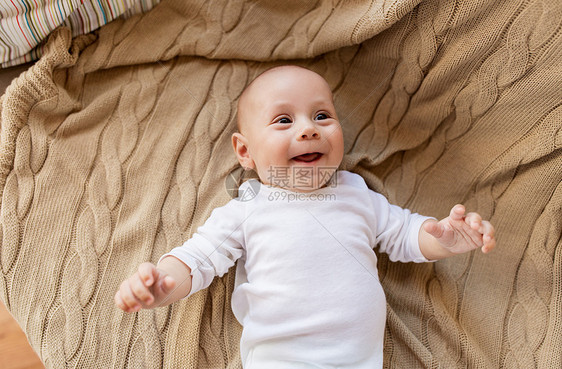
307 291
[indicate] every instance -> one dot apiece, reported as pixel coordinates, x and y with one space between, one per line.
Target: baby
307 291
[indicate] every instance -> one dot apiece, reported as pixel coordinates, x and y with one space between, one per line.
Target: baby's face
290 133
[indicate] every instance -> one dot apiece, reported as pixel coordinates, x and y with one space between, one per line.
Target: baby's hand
146 289
459 233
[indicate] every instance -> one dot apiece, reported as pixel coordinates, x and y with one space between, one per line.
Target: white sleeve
397 230
215 247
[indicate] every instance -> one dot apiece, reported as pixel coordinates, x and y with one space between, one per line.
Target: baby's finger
168 284
489 244
119 301
488 228
474 221
164 288
121 304
128 298
147 272
140 291
457 212
433 228
489 238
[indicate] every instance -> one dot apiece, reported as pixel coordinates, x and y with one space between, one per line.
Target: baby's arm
186 269
456 234
153 286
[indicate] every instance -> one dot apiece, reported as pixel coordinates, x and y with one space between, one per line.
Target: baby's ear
240 145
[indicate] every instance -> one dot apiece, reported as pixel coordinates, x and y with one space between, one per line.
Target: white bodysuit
307 291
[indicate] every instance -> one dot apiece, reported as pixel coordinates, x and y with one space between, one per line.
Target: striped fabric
25 24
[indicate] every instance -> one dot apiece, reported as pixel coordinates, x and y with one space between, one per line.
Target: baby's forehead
255 91
263 82
261 89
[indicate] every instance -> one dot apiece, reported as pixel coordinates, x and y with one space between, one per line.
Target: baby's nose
308 132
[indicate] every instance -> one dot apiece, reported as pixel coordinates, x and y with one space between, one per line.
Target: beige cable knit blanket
115 146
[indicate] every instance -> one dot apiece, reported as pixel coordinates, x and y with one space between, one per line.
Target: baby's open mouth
308 158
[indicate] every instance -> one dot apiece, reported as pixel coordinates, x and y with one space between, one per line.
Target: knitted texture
116 145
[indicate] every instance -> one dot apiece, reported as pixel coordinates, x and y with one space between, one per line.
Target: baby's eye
321 116
283 120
